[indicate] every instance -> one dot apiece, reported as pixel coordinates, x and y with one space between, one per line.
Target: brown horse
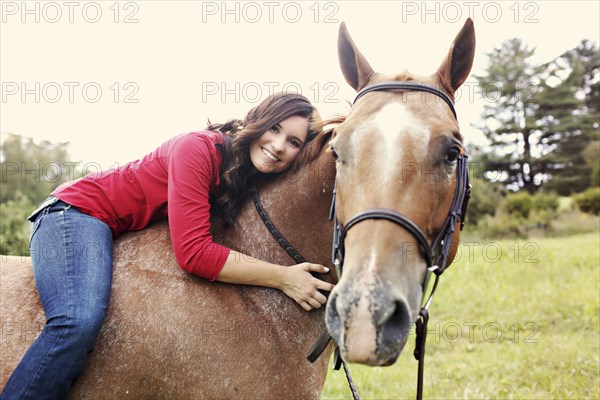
396 151
171 335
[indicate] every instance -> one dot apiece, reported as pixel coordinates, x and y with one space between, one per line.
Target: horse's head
396 150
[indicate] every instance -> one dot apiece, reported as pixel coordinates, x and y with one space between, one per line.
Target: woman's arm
191 169
295 281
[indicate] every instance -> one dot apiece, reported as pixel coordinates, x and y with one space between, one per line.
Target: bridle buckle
434 268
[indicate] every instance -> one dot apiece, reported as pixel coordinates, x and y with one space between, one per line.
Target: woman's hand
298 284
295 281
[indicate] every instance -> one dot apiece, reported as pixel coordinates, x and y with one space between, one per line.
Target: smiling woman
181 180
277 148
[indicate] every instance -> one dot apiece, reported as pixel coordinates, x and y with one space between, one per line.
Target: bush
518 204
522 203
521 215
589 201
484 200
14 227
574 222
502 225
595 176
543 201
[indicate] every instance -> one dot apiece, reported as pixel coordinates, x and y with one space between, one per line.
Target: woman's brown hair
237 174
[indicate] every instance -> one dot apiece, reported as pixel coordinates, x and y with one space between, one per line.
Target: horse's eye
452 154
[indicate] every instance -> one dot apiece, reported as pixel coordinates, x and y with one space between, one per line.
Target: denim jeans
71 254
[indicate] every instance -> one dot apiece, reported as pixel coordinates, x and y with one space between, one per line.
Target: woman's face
277 148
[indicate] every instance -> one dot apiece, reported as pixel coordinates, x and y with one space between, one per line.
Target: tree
34 169
568 116
509 84
591 154
542 117
486 193
30 171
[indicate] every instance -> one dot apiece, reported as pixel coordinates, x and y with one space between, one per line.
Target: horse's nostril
398 325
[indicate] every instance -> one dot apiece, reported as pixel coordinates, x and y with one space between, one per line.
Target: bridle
435 255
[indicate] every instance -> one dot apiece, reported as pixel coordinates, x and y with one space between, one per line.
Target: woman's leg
72 263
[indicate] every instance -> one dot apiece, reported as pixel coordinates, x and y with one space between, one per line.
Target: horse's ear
354 65
457 65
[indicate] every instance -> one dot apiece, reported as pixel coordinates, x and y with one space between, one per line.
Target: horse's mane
315 147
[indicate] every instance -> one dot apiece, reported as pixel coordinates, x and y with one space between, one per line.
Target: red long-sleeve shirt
174 181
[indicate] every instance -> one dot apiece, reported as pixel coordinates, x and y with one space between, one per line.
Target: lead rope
297 257
349 378
419 353
338 270
421 331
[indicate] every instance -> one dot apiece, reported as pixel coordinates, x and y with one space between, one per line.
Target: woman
180 180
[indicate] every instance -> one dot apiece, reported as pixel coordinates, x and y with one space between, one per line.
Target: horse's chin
381 358
389 361
390 356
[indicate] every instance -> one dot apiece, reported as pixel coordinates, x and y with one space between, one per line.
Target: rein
325 338
435 256
292 252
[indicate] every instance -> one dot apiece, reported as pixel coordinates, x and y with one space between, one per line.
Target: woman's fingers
316 299
314 303
322 285
320 298
317 268
304 288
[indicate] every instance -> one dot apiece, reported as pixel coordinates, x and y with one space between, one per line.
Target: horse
171 335
397 202
168 334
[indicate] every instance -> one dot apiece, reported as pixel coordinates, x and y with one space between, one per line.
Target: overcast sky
117 79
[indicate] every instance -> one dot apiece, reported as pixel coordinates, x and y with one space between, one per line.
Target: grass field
512 319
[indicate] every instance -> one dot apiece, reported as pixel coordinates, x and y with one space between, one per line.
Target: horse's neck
298 204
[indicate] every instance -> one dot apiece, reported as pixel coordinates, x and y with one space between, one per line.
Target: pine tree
567 117
509 85
541 118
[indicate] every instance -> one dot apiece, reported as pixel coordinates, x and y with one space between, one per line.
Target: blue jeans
71 254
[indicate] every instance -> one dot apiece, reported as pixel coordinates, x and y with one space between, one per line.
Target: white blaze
402 138
393 121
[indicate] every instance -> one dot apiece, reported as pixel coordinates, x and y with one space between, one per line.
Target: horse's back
169 334
21 315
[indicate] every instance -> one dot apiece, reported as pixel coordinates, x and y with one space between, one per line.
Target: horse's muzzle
370 324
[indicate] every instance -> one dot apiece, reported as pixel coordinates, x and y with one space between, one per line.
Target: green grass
542 295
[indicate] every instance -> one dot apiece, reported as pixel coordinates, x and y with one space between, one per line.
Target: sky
116 79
